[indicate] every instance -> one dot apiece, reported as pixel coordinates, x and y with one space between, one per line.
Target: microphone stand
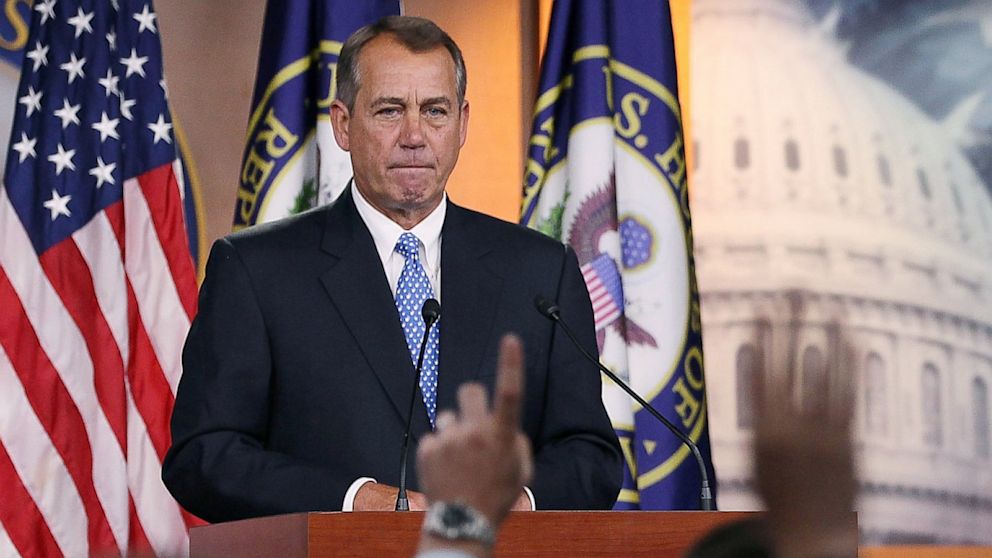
431 311
553 313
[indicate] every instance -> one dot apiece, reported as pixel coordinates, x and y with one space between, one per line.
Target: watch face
454 516
458 522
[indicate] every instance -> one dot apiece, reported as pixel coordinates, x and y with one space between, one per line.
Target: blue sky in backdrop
938 53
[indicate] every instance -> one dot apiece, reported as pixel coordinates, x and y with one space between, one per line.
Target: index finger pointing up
509 384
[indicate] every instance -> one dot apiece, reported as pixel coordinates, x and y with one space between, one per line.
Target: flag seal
606 174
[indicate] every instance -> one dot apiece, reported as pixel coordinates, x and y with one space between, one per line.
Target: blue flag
291 162
14 28
606 174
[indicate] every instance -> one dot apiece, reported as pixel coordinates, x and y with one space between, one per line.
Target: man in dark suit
299 367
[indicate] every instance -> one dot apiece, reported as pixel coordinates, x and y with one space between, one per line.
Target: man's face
405 130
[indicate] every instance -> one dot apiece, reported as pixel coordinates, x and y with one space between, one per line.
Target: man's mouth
411 166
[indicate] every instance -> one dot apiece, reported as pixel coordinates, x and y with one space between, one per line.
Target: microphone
431 311
551 311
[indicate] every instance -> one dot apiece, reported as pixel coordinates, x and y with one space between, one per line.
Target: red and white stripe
604 307
91 336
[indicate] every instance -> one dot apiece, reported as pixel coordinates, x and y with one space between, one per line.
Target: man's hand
804 467
522 503
479 457
382 497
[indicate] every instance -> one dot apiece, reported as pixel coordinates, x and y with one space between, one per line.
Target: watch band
458 522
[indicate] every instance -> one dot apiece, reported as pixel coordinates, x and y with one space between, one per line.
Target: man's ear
340 119
463 129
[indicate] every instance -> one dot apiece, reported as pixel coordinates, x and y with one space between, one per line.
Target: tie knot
408 245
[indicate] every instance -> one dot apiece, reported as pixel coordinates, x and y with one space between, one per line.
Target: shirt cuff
349 496
530 496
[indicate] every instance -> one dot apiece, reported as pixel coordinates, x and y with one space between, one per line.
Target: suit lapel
358 288
470 294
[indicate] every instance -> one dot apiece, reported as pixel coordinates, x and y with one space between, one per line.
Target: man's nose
411 134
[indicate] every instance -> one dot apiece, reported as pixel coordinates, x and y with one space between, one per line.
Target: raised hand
479 456
804 467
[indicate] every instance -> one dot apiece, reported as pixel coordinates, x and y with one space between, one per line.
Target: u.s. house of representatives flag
97 288
606 174
291 162
14 23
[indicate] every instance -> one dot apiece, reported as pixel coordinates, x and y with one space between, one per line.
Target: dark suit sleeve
218 466
578 463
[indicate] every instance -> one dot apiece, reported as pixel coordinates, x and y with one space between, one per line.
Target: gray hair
415 33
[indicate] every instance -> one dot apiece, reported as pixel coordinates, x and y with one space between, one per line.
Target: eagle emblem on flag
596 217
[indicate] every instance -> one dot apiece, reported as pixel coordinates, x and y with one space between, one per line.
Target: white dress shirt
385 233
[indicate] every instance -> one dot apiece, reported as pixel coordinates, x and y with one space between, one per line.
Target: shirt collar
385 232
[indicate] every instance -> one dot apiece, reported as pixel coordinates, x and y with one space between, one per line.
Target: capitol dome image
812 174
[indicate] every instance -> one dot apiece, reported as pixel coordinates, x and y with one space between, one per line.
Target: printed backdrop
844 147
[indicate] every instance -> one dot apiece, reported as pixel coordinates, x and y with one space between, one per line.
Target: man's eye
388 111
435 112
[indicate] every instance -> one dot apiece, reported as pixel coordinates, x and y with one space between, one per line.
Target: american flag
97 288
605 290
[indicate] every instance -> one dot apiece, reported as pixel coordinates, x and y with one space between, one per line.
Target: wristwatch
458 522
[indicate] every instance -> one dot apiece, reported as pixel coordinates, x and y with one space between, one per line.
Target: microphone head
547 308
431 311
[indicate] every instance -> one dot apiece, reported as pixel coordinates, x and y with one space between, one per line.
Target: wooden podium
655 534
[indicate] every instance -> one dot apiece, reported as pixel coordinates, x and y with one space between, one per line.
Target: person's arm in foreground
804 462
478 459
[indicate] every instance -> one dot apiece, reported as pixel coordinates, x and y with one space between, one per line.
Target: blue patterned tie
413 289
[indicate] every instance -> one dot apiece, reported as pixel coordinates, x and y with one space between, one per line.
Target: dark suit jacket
297 378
